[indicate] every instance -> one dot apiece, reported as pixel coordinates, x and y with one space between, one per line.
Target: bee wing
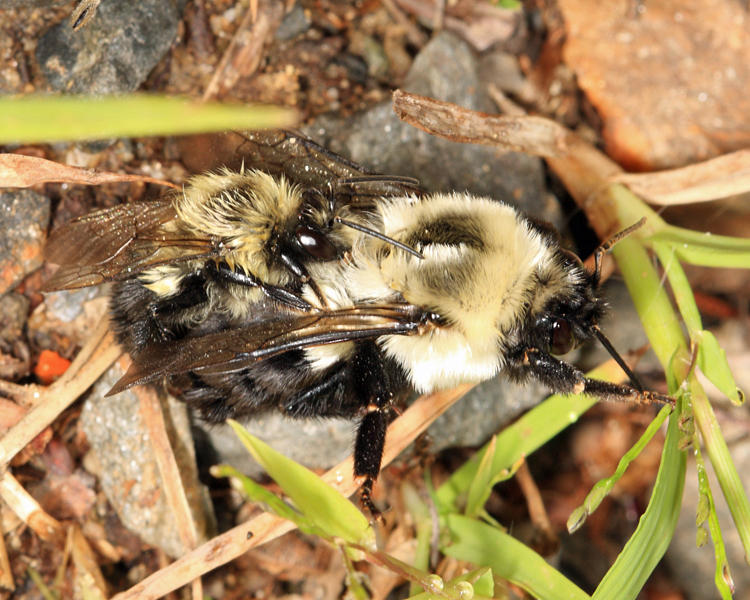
117 243
304 161
299 159
237 349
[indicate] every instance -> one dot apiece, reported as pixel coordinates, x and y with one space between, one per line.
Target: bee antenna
618 359
607 245
380 236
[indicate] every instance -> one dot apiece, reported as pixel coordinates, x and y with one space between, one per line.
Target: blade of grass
706 249
645 548
325 507
604 486
57 118
712 359
482 544
722 575
663 329
519 440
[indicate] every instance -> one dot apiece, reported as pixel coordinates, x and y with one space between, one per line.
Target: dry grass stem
244 53
28 510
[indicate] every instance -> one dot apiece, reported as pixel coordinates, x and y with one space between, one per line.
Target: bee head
569 318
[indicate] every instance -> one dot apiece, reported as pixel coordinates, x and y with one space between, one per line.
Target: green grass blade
666 338
681 289
514 443
603 487
255 492
645 548
420 514
707 513
706 249
482 544
715 446
712 361
32 119
473 585
324 506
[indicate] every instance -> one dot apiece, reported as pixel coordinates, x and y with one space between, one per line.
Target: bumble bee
335 293
213 255
454 288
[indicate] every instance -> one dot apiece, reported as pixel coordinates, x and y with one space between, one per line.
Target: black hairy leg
375 383
564 378
224 274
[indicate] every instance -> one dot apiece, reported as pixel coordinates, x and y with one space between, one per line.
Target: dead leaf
727 175
17 170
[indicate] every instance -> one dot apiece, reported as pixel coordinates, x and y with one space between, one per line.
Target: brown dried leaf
18 170
719 177
245 51
531 135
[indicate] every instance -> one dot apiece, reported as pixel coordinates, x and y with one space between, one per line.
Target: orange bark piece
50 366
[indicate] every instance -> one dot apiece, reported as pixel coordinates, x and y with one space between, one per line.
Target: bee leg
368 454
373 384
274 292
300 272
566 379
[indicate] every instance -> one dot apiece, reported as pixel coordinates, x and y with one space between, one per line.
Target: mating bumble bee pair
321 290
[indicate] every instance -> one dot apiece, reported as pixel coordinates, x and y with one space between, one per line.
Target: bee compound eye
315 243
562 339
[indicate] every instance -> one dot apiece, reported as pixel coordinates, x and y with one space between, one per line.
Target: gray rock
446 69
295 23
24 216
315 443
15 310
483 412
115 52
128 472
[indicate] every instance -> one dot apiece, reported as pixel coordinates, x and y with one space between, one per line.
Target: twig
174 490
584 170
83 13
534 501
413 33
267 527
244 53
505 104
28 510
6 575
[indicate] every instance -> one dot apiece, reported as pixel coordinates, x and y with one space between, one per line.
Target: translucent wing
237 349
117 243
299 159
